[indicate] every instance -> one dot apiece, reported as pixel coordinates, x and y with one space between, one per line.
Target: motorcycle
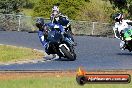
127 37
60 45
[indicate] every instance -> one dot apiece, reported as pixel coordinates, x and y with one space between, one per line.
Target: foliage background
90 10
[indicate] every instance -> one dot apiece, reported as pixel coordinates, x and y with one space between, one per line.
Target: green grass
27 12
54 82
12 53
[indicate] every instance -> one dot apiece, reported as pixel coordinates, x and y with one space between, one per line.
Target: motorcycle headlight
128 39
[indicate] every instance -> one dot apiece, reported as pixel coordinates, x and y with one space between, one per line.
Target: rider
119 26
43 32
58 18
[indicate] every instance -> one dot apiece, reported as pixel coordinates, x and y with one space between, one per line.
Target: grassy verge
53 82
12 53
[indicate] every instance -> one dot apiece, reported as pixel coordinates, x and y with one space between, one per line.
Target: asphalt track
93 53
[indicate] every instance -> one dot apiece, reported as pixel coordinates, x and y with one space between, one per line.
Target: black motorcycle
60 45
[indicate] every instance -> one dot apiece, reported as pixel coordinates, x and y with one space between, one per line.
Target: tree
124 6
11 6
120 4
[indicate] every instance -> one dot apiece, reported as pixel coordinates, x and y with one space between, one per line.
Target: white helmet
55 8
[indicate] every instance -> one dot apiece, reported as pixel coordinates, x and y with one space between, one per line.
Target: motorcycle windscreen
128 34
54 36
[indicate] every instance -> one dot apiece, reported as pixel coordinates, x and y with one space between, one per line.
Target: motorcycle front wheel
70 55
